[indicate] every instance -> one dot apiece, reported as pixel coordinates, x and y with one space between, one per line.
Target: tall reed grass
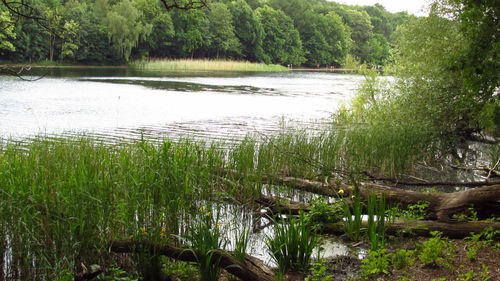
204 65
62 200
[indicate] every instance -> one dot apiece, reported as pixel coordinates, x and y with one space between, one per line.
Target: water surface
118 104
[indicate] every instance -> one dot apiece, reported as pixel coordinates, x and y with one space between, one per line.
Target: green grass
204 65
292 244
62 200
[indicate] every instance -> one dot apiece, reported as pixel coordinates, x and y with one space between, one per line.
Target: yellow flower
209 214
350 187
131 237
352 196
202 208
162 234
341 192
218 225
163 230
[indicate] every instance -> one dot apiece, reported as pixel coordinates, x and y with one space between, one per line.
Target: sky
411 6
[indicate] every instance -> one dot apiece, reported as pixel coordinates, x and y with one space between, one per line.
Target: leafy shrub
435 251
376 263
402 258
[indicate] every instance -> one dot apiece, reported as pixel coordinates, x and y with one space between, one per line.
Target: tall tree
124 27
248 29
221 30
281 41
7 32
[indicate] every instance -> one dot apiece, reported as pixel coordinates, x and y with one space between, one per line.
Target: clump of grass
204 65
292 244
206 237
376 221
353 216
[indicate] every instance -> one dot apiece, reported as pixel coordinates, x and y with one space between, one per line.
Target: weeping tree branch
191 4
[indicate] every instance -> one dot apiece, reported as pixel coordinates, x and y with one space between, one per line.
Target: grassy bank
205 65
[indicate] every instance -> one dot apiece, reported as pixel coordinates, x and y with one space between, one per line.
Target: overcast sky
411 6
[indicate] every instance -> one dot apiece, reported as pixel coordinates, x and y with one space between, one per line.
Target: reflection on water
116 104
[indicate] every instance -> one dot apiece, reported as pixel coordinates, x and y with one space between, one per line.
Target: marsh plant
292 244
206 236
353 213
436 251
376 209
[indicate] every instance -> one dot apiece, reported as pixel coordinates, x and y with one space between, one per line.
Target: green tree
281 42
327 42
7 32
124 27
248 29
431 89
190 32
69 39
221 30
361 30
376 50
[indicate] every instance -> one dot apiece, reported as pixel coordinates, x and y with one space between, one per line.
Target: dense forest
299 32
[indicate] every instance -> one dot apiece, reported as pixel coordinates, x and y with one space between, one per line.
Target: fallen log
424 228
252 269
442 206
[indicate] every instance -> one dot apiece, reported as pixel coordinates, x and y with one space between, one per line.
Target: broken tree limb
252 269
424 228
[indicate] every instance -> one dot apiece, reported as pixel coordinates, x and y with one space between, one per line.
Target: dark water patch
188 87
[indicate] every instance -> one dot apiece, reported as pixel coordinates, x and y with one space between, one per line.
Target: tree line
299 32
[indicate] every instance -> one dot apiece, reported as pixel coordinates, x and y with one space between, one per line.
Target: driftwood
424 228
486 200
252 269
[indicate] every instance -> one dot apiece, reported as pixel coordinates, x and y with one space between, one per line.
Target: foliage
206 237
402 258
281 41
376 221
476 275
221 31
353 216
7 32
292 245
319 272
376 263
323 212
124 27
115 31
435 251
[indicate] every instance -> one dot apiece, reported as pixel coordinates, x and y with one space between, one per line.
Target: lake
117 104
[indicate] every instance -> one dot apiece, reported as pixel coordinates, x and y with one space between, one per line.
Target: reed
292 244
204 65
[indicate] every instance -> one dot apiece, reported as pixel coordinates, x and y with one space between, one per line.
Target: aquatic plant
376 221
206 236
204 65
292 244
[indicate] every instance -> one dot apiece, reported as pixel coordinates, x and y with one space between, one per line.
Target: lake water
117 104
